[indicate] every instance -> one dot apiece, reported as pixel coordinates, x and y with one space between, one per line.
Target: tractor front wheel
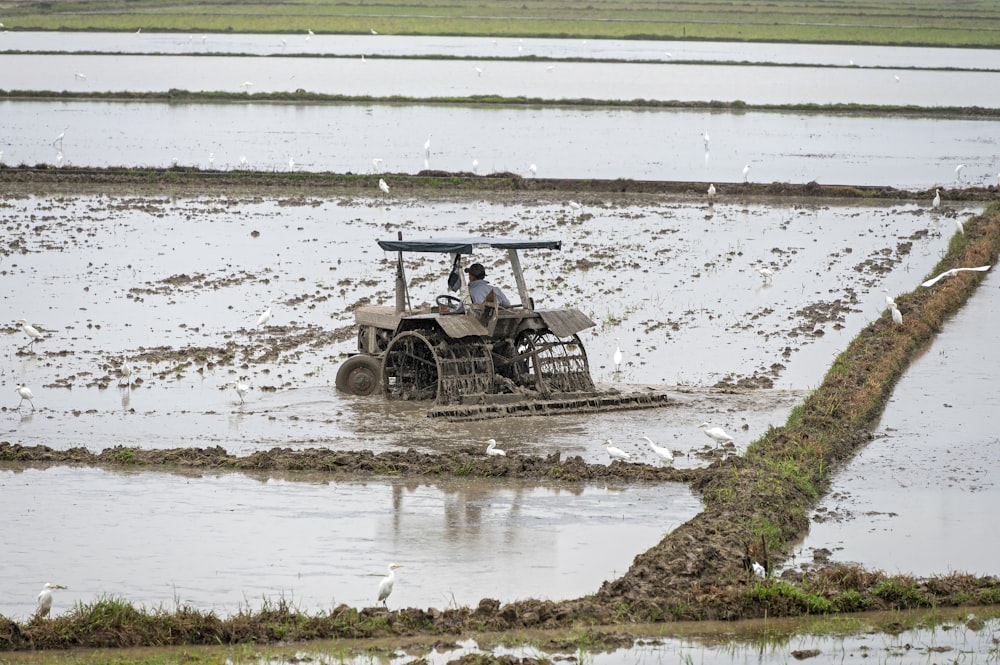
359 375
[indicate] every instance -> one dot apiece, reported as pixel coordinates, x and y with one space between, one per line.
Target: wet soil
701 571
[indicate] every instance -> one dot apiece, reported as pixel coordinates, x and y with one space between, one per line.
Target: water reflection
218 541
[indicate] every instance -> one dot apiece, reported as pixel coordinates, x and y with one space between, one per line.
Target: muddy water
921 499
111 277
219 542
672 280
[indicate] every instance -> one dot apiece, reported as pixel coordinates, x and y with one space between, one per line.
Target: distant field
975 23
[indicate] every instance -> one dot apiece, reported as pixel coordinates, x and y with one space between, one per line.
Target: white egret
717 434
493 451
616 453
45 599
758 570
291 163
241 389
377 164
385 586
704 136
479 71
889 300
711 189
534 169
373 31
574 205
383 186
896 76
211 160
936 203
59 139
764 272
746 173
427 146
26 394
265 316
663 453
550 68
311 33
618 355
475 166
31 332
998 180
243 161
897 316
80 76
960 226
246 85
958 172
954 271
126 373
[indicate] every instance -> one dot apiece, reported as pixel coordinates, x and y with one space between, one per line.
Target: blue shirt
480 288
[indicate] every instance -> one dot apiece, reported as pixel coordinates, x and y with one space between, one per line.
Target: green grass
915 22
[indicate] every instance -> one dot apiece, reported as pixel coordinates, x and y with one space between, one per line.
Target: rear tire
359 375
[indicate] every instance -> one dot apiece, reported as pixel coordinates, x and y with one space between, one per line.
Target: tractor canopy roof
465 245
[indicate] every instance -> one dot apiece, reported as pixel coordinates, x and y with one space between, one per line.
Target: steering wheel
448 303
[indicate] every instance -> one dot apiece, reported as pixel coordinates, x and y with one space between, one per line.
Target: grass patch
916 22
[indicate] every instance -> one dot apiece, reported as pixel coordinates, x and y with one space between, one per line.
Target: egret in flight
377 164
616 453
663 453
493 451
45 599
26 394
31 332
717 434
954 271
385 586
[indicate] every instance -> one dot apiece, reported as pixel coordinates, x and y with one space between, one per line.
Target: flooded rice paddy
397 46
664 144
111 276
230 541
119 275
533 80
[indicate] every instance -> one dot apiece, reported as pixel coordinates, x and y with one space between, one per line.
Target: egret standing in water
663 453
618 355
717 434
384 186
26 394
45 599
493 451
764 272
958 172
126 373
265 316
936 203
711 190
616 453
385 586
31 332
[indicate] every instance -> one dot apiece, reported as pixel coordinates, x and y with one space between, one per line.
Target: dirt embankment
192 180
